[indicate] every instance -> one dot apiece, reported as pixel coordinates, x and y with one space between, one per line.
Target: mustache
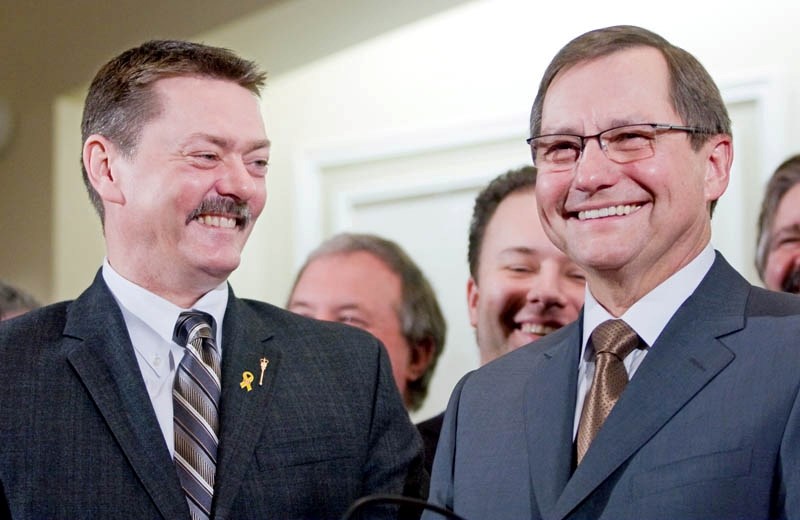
791 283
223 206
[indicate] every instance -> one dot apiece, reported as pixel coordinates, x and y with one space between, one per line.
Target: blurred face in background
525 288
359 289
782 269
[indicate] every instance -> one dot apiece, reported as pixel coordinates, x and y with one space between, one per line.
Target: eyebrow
518 250
571 130
227 144
793 229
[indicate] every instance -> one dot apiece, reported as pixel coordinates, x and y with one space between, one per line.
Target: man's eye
788 240
626 140
578 276
559 151
352 320
205 157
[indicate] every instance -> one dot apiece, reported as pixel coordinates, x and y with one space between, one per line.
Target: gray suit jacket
79 437
709 426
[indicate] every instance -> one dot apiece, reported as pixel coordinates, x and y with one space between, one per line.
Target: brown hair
694 94
784 178
486 204
120 99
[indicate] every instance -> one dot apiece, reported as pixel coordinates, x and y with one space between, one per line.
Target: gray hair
420 316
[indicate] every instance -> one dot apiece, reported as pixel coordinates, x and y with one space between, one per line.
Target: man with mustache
158 393
778 249
675 393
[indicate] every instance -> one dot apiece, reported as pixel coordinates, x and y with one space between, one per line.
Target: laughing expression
525 288
186 201
627 225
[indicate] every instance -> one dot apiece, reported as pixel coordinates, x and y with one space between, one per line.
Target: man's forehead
627 86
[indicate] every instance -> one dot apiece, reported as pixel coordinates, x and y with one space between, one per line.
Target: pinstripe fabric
196 410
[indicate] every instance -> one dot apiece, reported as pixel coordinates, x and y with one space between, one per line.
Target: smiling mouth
221 212
216 221
610 211
537 328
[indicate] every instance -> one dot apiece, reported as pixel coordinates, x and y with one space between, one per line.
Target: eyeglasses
621 144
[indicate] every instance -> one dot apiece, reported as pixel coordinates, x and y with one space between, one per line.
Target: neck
617 290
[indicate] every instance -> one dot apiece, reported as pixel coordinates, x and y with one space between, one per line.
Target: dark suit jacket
708 427
430 429
79 437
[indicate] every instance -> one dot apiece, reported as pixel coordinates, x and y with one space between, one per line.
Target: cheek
575 296
777 265
551 190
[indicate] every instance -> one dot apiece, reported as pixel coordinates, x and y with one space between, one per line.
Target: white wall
479 64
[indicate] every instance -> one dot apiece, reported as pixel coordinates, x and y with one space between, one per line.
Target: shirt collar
651 313
158 313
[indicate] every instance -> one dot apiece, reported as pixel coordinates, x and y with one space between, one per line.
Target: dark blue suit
708 427
80 438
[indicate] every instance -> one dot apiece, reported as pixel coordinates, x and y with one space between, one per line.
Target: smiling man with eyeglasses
675 394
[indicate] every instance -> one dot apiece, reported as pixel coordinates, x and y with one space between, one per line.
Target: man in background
371 283
778 249
521 287
15 302
675 393
158 393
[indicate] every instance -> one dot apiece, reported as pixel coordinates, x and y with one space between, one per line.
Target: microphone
409 507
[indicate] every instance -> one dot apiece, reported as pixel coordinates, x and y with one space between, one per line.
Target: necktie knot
614 337
192 325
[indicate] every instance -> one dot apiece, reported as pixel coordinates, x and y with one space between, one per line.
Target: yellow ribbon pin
247 380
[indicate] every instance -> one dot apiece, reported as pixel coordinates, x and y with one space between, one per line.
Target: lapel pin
264 363
247 380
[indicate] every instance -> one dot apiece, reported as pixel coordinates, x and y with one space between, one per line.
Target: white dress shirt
647 317
151 320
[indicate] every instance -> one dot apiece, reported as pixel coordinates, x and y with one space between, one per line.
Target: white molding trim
766 88
310 163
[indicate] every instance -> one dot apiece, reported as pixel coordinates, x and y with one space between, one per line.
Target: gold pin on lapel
247 380
264 363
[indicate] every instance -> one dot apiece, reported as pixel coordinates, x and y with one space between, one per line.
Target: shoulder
763 302
36 326
307 334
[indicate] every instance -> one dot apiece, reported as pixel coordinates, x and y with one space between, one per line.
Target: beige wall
353 75
51 245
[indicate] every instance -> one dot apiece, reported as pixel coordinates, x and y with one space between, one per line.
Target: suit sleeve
788 505
442 486
395 462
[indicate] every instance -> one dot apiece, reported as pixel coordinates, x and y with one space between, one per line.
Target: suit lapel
682 361
99 349
549 422
246 340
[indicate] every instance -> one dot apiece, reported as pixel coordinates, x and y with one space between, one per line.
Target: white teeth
216 221
535 328
610 211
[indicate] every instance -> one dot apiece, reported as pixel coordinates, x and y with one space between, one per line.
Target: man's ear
420 358
98 157
472 301
718 166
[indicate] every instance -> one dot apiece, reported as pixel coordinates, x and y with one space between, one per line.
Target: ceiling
55 45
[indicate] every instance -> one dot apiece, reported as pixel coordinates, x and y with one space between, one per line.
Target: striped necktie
195 399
